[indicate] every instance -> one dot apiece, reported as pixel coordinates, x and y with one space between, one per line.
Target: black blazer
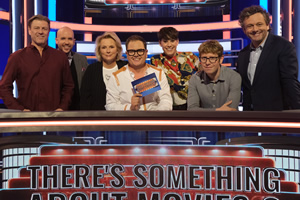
275 84
93 90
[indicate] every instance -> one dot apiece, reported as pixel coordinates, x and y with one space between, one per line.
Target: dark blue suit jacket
275 84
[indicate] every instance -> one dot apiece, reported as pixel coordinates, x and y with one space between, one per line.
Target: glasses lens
130 52
141 52
213 59
203 59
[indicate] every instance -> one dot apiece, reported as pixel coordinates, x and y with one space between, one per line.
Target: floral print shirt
178 70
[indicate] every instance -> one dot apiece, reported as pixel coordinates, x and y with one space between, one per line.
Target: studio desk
154 140
242 121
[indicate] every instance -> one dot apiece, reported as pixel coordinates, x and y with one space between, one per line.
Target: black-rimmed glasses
132 52
211 59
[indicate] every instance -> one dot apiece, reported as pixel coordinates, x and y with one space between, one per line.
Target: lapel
78 67
245 63
263 57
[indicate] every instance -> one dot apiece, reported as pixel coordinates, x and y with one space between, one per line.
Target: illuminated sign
151 2
150 172
101 3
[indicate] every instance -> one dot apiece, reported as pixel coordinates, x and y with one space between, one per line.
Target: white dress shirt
120 91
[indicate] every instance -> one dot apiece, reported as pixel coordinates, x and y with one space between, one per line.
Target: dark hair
211 46
38 17
167 33
136 38
247 12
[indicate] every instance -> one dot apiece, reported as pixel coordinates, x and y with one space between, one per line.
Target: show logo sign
146 172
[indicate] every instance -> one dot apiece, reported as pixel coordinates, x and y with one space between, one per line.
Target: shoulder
80 56
230 73
56 52
196 76
94 67
119 75
278 42
154 68
120 71
121 63
18 53
245 49
183 57
187 54
157 56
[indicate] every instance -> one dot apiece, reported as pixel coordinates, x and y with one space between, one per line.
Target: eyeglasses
211 59
132 52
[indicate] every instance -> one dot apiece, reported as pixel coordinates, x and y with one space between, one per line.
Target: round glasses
139 52
211 59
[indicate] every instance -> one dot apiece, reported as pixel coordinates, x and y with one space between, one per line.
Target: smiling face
39 32
108 50
169 47
65 39
256 29
136 60
212 69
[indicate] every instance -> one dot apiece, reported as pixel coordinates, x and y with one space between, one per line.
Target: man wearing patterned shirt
178 66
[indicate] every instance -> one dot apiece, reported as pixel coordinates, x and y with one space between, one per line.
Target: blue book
146 85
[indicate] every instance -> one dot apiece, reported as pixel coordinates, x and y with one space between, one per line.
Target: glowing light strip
276 16
290 36
264 4
13 6
88 36
52 17
227 25
152 123
4 15
25 24
36 7
226 34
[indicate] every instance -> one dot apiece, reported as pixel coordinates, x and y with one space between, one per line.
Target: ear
29 30
56 40
244 30
177 42
221 59
159 43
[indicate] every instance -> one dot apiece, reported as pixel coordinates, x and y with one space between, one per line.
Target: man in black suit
78 63
268 66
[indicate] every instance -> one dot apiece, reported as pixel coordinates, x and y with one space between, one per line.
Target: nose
255 28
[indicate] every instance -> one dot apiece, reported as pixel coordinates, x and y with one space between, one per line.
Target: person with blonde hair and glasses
93 87
215 87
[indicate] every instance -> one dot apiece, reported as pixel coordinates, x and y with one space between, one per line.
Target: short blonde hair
211 46
110 35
